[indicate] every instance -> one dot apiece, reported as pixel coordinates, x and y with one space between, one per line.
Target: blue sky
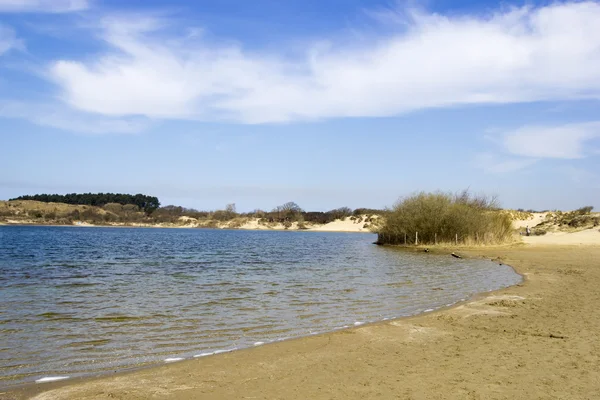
326 103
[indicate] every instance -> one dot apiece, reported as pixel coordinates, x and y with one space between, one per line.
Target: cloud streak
8 40
43 6
492 163
62 118
520 55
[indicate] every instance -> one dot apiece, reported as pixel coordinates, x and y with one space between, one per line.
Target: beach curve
533 340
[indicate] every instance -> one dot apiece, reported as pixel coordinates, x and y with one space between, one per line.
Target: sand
537 340
585 237
533 220
345 225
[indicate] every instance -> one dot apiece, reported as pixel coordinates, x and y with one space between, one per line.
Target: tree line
285 214
146 203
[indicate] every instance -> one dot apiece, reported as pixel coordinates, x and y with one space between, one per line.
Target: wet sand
537 340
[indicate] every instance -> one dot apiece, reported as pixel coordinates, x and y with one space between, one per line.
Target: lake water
80 301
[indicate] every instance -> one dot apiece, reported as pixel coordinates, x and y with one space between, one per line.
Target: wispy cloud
499 164
517 55
8 40
43 6
75 121
566 141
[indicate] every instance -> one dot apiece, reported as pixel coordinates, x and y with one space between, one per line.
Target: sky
327 103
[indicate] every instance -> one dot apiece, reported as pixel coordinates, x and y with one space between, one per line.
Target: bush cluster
445 217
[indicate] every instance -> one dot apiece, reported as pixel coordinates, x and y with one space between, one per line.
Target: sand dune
346 225
585 237
557 234
535 219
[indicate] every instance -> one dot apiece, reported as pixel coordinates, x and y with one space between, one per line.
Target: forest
146 203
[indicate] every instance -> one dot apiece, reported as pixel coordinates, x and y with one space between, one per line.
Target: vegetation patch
577 220
435 218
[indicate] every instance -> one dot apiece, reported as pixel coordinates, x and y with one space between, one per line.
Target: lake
82 301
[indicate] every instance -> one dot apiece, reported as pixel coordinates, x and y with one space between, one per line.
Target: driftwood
455 255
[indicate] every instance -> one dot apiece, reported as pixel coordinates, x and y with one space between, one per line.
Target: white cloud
43 6
567 141
528 145
78 122
8 40
520 55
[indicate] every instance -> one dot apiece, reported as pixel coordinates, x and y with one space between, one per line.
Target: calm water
77 301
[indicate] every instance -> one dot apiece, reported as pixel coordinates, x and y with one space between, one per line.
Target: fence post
477 237
456 239
435 238
417 238
405 238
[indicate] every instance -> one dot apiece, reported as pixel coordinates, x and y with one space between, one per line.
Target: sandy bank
346 225
531 341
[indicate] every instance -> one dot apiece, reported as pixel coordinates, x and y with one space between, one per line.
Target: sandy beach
536 340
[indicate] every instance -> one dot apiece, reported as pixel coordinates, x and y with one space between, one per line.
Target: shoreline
33 386
315 228
408 334
28 390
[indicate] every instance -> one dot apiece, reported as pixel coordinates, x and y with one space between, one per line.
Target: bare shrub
443 217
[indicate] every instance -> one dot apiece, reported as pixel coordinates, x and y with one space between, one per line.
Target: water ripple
77 301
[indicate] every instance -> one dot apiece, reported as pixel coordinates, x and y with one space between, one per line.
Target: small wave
399 284
9 330
217 284
54 316
225 350
75 284
180 275
203 355
224 300
118 318
308 316
51 379
85 343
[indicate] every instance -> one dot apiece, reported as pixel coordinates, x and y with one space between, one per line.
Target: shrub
584 210
442 217
340 213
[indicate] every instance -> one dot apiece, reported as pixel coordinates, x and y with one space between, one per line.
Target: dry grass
433 218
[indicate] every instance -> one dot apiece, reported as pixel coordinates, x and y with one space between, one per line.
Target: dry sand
533 220
536 340
345 225
585 237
